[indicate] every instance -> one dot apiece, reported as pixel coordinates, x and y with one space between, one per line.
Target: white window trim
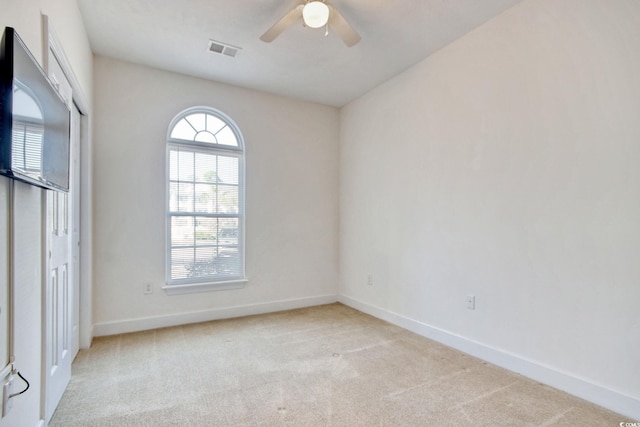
191 288
185 286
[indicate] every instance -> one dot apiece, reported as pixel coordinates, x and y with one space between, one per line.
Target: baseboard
579 387
155 322
86 338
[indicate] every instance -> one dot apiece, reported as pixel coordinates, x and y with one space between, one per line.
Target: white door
58 294
61 295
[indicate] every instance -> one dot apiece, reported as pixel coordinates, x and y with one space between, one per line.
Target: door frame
52 51
51 44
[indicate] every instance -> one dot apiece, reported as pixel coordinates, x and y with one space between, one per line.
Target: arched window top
205 126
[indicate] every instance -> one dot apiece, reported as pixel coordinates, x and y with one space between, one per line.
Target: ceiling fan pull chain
326 29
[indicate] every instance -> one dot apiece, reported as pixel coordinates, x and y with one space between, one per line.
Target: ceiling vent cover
224 49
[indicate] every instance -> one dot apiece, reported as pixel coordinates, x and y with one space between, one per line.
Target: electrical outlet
148 288
370 280
471 302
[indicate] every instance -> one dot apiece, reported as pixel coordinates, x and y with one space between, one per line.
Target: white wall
25 17
503 166
292 198
506 166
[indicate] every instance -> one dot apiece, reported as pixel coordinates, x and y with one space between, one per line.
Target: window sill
192 288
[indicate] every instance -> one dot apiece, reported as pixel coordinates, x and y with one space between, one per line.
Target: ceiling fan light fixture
315 14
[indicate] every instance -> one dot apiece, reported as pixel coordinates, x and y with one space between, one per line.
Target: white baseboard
86 338
155 322
579 387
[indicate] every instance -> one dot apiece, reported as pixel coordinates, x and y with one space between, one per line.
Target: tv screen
34 120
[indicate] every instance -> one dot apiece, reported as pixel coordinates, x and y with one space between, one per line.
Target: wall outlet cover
471 302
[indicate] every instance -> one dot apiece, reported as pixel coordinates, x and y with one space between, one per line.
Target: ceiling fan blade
342 27
289 18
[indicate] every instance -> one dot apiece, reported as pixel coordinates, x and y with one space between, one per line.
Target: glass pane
214 124
203 265
227 137
227 263
206 254
206 231
228 169
182 261
185 165
227 199
173 165
185 197
206 167
182 231
205 136
197 120
228 222
183 130
205 200
228 233
173 197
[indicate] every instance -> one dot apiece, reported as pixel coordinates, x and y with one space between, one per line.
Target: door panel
61 295
58 301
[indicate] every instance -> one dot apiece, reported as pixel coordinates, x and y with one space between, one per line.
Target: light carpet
320 366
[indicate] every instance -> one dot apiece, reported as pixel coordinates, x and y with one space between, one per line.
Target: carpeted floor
320 366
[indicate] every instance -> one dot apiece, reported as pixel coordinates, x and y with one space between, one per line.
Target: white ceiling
174 34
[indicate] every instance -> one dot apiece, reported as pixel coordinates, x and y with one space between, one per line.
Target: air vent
223 48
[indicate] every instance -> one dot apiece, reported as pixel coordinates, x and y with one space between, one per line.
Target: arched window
205 202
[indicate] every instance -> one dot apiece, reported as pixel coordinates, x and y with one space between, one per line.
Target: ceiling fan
315 14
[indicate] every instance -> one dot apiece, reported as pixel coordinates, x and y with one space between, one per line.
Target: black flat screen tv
34 120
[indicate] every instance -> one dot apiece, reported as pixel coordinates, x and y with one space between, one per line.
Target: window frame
203 284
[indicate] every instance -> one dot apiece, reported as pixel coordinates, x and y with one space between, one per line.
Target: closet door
61 299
